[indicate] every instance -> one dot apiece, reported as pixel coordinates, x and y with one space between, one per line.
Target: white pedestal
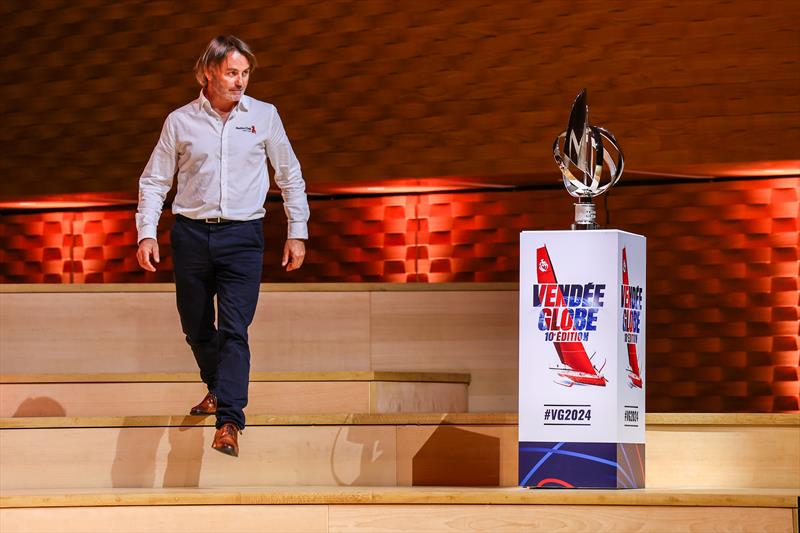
582 359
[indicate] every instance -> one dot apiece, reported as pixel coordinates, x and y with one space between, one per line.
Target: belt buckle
215 220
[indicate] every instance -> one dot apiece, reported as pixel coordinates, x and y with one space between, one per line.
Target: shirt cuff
298 230
147 232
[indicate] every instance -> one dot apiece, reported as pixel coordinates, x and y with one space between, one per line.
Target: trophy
581 156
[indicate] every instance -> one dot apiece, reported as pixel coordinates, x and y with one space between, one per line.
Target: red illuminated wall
722 268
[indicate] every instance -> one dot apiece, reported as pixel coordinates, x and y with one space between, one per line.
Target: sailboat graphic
578 367
633 372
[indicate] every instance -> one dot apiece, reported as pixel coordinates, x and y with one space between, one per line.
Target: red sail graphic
633 360
571 353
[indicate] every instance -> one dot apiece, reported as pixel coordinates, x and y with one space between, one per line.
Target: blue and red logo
568 316
632 303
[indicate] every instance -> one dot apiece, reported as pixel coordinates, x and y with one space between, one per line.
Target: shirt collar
204 103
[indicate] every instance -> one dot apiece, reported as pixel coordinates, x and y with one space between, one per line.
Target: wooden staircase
357 445
164 393
380 510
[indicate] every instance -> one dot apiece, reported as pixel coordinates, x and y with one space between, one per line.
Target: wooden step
314 495
93 395
360 509
393 449
452 327
357 449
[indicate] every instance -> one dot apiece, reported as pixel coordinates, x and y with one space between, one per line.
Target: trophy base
585 215
576 226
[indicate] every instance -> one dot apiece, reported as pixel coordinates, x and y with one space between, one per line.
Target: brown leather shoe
207 407
226 439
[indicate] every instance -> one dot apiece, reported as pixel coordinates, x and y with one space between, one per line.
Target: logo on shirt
251 129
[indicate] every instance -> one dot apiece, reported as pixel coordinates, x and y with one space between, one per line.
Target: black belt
214 220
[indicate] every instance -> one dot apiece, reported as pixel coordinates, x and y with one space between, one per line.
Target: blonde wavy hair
215 54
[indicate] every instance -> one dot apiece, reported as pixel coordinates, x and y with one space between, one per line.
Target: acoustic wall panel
723 261
386 89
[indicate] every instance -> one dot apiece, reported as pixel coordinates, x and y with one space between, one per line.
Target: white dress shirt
222 167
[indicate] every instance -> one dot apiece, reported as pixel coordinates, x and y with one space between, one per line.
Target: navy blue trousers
222 260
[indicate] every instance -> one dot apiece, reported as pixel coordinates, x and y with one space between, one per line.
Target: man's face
228 80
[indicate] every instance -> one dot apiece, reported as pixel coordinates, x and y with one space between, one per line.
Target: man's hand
294 251
147 248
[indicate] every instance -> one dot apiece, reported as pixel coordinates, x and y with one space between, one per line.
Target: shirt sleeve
289 178
156 181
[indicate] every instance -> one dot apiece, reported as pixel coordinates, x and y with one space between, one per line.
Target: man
218 146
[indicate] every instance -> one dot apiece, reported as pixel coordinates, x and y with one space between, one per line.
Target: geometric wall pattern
724 309
381 89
